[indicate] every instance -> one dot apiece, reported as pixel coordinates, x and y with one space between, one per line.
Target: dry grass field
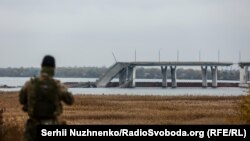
117 109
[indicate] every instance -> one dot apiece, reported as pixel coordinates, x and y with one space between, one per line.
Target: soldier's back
43 98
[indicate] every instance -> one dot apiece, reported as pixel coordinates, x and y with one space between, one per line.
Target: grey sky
86 32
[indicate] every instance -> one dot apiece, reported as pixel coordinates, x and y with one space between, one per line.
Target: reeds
13 130
116 109
12 118
245 108
125 109
1 123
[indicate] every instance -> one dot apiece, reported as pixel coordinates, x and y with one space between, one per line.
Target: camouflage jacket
25 94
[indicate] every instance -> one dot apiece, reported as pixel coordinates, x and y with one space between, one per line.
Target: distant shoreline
138 84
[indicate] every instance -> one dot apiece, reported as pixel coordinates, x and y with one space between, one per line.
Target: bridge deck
179 63
242 64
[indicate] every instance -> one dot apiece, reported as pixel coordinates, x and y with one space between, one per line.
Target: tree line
95 72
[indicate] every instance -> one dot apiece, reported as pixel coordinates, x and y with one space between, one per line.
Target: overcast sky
86 32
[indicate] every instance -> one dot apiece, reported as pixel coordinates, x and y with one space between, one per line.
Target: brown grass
117 109
245 108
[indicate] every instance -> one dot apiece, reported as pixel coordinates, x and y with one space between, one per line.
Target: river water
18 82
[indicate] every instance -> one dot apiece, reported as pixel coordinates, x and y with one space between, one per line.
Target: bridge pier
164 76
244 74
204 76
127 77
122 77
131 76
173 76
214 76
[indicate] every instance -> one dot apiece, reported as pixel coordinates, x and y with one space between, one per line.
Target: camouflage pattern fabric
41 98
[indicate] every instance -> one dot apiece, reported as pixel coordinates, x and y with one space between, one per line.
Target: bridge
127 72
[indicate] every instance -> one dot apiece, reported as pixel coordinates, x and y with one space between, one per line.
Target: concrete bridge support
131 76
164 76
123 76
204 76
214 76
173 76
244 74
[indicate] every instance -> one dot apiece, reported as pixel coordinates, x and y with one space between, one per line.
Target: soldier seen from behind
42 98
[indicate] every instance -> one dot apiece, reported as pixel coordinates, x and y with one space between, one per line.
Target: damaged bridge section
124 70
